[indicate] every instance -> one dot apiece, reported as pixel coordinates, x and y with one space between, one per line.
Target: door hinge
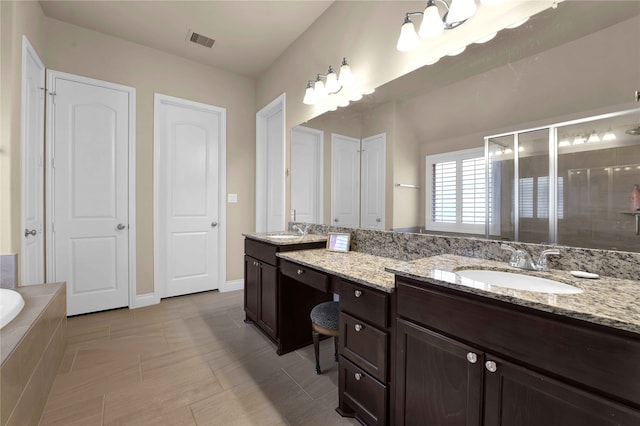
43 90
53 97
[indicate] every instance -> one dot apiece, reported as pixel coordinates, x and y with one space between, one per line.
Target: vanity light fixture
578 140
593 137
609 136
332 84
456 13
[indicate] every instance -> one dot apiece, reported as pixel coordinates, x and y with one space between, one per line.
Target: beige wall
17 18
76 50
79 51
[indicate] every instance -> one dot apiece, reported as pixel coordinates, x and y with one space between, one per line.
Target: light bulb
432 24
309 95
508 151
319 89
564 142
579 140
346 77
461 10
593 137
408 39
332 84
609 136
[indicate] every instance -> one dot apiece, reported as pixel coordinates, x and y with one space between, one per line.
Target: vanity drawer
305 275
365 345
363 394
365 303
261 251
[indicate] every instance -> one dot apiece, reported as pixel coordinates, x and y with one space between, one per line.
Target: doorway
306 174
91 191
189 191
270 170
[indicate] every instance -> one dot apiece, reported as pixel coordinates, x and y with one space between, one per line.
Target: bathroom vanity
419 345
265 304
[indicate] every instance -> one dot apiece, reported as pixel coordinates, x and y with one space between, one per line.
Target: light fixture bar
319 89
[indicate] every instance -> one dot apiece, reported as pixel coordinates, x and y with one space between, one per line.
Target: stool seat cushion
325 315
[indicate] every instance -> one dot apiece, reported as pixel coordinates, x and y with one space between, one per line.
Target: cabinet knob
358 327
300 271
491 366
472 358
358 376
357 293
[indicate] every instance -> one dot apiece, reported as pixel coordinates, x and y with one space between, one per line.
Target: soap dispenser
635 198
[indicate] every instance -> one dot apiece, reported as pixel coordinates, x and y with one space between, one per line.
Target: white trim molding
232 285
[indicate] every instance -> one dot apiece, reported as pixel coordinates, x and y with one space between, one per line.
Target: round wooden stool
324 320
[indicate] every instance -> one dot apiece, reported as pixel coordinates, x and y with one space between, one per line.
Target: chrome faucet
302 231
522 260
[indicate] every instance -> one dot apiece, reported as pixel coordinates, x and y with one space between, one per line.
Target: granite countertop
271 238
358 267
606 301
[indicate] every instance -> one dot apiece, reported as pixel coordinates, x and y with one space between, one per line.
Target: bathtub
11 303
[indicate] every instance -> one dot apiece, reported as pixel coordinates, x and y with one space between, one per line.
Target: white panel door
306 174
373 182
345 181
90 144
189 142
33 75
275 172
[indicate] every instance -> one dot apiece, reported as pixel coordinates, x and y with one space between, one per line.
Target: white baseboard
143 300
232 286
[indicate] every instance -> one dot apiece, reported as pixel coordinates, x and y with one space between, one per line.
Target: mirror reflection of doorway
306 174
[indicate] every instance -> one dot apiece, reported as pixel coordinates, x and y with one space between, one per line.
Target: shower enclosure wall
567 183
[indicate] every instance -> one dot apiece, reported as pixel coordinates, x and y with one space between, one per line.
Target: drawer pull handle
300 271
358 327
472 358
491 366
357 293
358 376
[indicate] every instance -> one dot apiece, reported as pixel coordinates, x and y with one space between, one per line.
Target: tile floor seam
104 400
297 384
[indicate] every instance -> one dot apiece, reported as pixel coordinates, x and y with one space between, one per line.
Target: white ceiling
249 35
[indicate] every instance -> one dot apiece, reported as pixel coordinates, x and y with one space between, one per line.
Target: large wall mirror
581 59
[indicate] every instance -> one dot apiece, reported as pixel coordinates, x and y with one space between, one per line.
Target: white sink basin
284 236
515 281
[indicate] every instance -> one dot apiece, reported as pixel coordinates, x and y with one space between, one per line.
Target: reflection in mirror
549 70
586 203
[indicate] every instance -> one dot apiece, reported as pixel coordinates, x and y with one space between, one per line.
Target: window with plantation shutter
456 185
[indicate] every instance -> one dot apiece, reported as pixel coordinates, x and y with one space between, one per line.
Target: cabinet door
439 380
268 312
251 285
518 396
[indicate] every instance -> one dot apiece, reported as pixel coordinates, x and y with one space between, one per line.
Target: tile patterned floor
190 360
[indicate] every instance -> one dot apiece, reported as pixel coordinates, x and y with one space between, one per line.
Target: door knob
27 232
378 220
214 224
336 220
121 226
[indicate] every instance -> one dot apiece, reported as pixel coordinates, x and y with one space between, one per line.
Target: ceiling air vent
200 39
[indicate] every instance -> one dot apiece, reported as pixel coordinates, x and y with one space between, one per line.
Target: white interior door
89 126
373 182
270 170
189 140
345 181
33 99
306 174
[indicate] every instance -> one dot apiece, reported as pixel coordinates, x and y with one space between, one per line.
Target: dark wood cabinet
365 355
439 380
261 295
265 303
463 360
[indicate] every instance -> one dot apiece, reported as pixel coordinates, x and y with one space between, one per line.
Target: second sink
515 281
